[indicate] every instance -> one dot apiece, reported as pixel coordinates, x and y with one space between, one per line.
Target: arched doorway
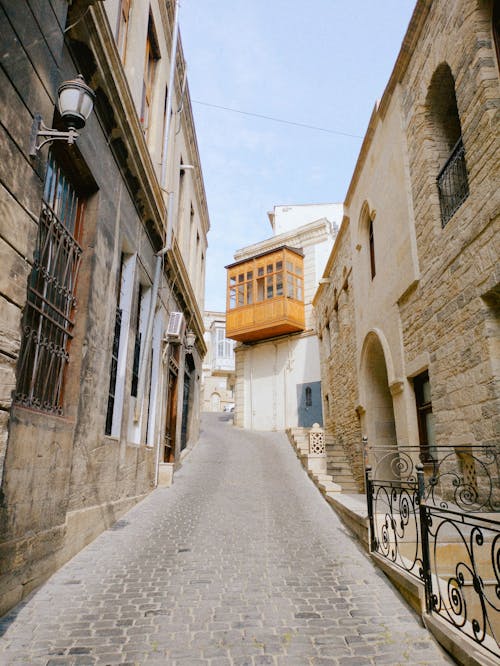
379 425
215 402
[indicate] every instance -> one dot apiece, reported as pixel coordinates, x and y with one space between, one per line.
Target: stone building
418 258
103 244
408 309
218 365
269 311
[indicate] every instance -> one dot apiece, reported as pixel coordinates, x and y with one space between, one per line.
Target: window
263 279
152 56
118 364
425 417
223 346
49 313
371 244
452 180
122 27
137 345
113 371
308 396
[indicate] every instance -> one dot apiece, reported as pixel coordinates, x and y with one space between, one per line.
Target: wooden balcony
265 295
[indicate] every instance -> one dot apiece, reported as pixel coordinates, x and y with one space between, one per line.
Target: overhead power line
277 120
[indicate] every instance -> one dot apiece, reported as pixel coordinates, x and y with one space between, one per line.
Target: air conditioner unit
176 327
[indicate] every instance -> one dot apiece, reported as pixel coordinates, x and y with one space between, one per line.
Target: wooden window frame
152 55
121 33
272 273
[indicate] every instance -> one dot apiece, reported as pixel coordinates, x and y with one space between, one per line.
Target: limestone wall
453 314
430 302
63 480
336 326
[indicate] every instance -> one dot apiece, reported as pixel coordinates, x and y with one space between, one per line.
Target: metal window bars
452 182
48 317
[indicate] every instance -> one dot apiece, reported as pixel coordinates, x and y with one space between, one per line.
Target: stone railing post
317 451
317 440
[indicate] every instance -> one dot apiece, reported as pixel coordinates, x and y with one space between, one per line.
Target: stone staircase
313 464
338 467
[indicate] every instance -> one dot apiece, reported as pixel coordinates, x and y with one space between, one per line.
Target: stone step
342 477
329 487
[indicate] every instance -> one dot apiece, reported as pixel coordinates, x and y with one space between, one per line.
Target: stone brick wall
62 479
453 313
335 312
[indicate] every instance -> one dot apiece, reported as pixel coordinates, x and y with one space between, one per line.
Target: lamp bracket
39 129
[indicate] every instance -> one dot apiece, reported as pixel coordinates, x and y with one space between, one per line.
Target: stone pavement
240 562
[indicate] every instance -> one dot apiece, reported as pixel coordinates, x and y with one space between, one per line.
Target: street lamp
75 101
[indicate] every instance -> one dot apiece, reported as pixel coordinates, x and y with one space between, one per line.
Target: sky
321 63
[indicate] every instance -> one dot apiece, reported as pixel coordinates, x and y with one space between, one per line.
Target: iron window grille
452 182
48 318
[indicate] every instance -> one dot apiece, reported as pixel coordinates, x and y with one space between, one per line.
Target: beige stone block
14 274
7 381
165 475
17 227
10 333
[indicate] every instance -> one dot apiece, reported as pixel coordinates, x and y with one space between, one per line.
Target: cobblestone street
240 562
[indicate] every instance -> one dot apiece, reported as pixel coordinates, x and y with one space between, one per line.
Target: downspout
144 356
164 361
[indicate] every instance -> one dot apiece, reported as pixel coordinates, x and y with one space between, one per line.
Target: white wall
272 371
287 218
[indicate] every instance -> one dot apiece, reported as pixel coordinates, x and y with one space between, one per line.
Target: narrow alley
240 562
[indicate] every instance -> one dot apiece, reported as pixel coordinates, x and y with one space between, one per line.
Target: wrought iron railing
440 523
393 511
464 478
463 577
452 183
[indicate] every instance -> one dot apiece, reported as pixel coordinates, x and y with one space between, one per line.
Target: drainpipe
164 361
144 356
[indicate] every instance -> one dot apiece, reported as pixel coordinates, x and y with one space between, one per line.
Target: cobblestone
240 562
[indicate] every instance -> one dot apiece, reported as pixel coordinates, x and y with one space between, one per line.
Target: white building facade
278 379
218 365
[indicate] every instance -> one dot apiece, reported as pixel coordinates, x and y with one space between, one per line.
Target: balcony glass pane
250 293
279 283
260 290
270 287
232 298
